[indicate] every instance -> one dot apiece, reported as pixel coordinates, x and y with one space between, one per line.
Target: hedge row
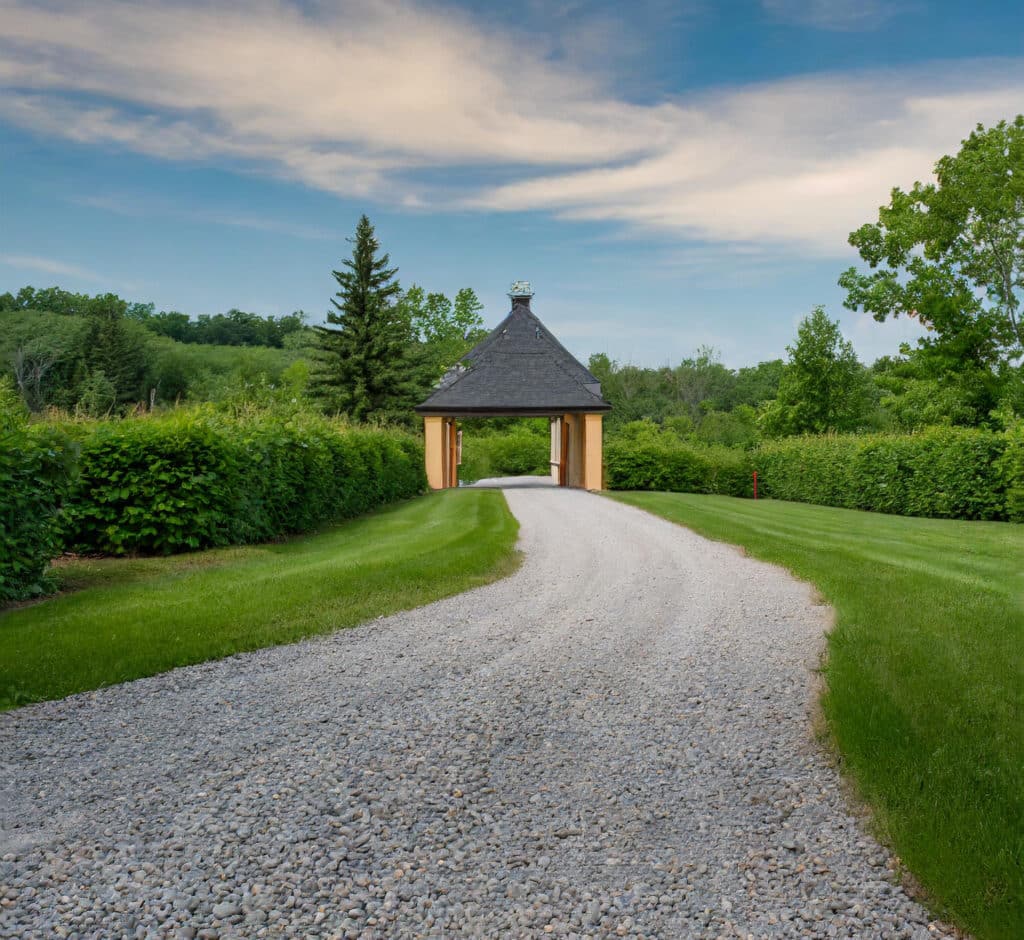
197 480
667 464
520 452
950 473
35 467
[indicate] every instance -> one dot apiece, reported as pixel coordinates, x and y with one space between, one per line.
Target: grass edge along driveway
925 680
127 618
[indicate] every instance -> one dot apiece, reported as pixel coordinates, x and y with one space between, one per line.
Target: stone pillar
434 451
593 454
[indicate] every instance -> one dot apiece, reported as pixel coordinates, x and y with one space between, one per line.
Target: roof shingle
519 368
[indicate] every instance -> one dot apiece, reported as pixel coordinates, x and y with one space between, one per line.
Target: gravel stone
613 742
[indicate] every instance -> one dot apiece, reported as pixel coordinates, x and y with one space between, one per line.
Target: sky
667 175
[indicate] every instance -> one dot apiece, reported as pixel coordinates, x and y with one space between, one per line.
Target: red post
755 484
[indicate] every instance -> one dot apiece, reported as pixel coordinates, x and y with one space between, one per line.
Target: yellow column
592 453
433 451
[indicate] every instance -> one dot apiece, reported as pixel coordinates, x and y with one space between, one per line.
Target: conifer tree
363 369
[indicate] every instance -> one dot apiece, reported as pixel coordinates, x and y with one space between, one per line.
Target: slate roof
519 368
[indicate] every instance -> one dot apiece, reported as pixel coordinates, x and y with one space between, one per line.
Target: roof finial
520 293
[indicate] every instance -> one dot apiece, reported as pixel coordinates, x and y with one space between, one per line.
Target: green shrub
519 452
942 472
35 469
197 479
155 485
1011 472
649 462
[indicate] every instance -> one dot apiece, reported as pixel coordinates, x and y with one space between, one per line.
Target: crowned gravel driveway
613 742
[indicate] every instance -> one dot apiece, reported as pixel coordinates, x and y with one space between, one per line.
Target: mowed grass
925 680
126 618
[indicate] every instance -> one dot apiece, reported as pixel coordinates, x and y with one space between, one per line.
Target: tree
823 386
364 370
115 347
951 253
443 332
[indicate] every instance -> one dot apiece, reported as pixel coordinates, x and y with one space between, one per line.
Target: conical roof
519 368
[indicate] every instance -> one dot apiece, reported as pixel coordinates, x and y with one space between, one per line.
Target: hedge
35 472
665 463
193 480
954 473
1011 471
519 452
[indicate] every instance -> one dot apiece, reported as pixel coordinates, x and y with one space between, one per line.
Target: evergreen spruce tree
112 348
363 368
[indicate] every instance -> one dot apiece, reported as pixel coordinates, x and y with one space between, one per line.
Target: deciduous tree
823 386
951 253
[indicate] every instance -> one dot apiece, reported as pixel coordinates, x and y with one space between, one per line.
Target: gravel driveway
613 742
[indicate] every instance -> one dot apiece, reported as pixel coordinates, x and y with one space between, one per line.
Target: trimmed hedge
514 453
1011 471
35 472
954 473
666 464
193 480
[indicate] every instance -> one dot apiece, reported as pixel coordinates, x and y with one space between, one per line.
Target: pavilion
519 370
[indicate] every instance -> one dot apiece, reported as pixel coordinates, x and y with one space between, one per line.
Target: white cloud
372 99
49 266
838 15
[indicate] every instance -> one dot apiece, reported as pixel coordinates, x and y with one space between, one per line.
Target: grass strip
925 680
126 618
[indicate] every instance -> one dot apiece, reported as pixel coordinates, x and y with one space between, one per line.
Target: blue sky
668 175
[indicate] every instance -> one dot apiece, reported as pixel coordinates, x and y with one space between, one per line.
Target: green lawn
125 618
925 680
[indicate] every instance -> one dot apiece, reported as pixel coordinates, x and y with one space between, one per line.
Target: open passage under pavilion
519 370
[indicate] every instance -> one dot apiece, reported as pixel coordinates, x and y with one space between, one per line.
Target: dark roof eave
427 411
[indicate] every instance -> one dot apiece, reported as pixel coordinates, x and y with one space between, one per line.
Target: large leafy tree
442 331
951 254
364 367
823 387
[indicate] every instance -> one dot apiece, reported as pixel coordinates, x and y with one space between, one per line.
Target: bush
35 469
197 479
519 452
1011 472
942 472
650 462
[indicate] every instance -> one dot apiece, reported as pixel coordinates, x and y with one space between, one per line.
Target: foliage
234 328
125 618
522 450
365 371
951 253
442 331
1011 472
940 472
35 470
924 692
644 458
195 479
823 387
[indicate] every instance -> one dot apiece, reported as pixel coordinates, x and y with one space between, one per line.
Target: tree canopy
951 253
823 387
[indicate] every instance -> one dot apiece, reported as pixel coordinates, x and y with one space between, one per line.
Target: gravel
614 742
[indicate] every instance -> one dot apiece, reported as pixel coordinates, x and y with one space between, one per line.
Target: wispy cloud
836 15
145 207
49 266
371 98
